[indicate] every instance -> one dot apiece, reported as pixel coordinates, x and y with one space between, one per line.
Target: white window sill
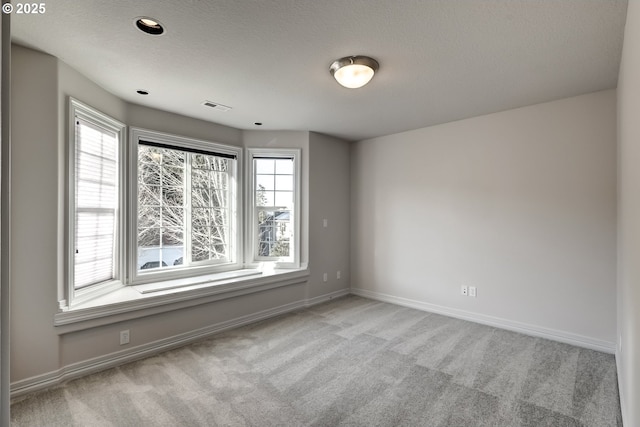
131 302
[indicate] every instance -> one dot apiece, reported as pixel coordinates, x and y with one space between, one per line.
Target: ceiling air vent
216 106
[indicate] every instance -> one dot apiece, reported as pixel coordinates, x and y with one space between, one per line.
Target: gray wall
34 212
41 351
5 247
628 352
163 121
329 186
520 204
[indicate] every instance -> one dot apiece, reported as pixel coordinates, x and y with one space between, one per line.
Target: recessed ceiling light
354 71
149 26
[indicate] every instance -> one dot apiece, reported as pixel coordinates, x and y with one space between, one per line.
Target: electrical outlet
472 291
324 277
124 337
463 290
338 275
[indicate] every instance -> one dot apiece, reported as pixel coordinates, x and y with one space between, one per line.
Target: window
95 226
275 206
184 219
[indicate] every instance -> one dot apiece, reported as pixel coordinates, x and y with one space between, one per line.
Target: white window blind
96 203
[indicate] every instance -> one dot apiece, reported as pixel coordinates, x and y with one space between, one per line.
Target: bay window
163 211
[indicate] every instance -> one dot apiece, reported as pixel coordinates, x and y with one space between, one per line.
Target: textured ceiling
268 59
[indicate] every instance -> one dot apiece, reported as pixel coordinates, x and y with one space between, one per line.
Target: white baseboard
524 328
328 297
621 387
85 367
79 369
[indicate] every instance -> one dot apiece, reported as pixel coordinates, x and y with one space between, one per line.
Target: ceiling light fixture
149 26
354 71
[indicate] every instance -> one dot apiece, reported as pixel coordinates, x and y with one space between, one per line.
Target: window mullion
186 238
161 211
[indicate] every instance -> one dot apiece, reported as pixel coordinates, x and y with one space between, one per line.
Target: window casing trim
120 306
84 112
251 257
235 262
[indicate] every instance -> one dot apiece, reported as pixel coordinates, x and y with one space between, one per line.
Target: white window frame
84 112
235 254
251 247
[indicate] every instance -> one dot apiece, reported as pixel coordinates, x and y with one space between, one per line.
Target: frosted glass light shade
354 71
